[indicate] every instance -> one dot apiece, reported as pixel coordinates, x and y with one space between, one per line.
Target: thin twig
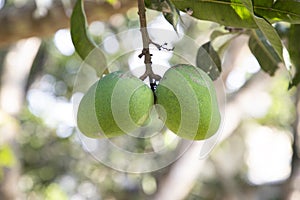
146 42
162 46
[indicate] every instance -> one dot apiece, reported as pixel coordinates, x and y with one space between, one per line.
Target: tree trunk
17 66
291 186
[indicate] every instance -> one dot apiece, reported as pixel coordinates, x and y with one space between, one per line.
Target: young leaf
264 52
209 61
294 50
84 45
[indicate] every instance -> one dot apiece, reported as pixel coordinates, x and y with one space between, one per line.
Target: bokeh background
42 157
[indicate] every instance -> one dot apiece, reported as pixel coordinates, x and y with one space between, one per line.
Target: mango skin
187 100
87 121
116 104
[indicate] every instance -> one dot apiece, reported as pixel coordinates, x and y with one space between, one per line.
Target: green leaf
234 13
281 10
84 45
220 40
173 18
159 5
267 29
218 33
264 3
209 61
170 12
294 50
223 12
264 52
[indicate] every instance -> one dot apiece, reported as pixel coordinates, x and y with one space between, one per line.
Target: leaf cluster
256 18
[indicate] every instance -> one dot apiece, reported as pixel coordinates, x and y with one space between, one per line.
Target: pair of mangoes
120 103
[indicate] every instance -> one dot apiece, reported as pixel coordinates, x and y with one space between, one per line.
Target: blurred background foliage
41 155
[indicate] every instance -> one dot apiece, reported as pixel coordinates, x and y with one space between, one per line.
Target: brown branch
146 42
20 23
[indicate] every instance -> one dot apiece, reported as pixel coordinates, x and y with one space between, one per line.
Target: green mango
116 104
187 101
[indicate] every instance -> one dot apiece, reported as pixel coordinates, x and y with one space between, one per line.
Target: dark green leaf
294 50
209 61
264 3
267 29
84 45
170 12
264 52
159 5
281 10
234 13
173 18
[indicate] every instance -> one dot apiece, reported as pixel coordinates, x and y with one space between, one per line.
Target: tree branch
146 42
19 23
